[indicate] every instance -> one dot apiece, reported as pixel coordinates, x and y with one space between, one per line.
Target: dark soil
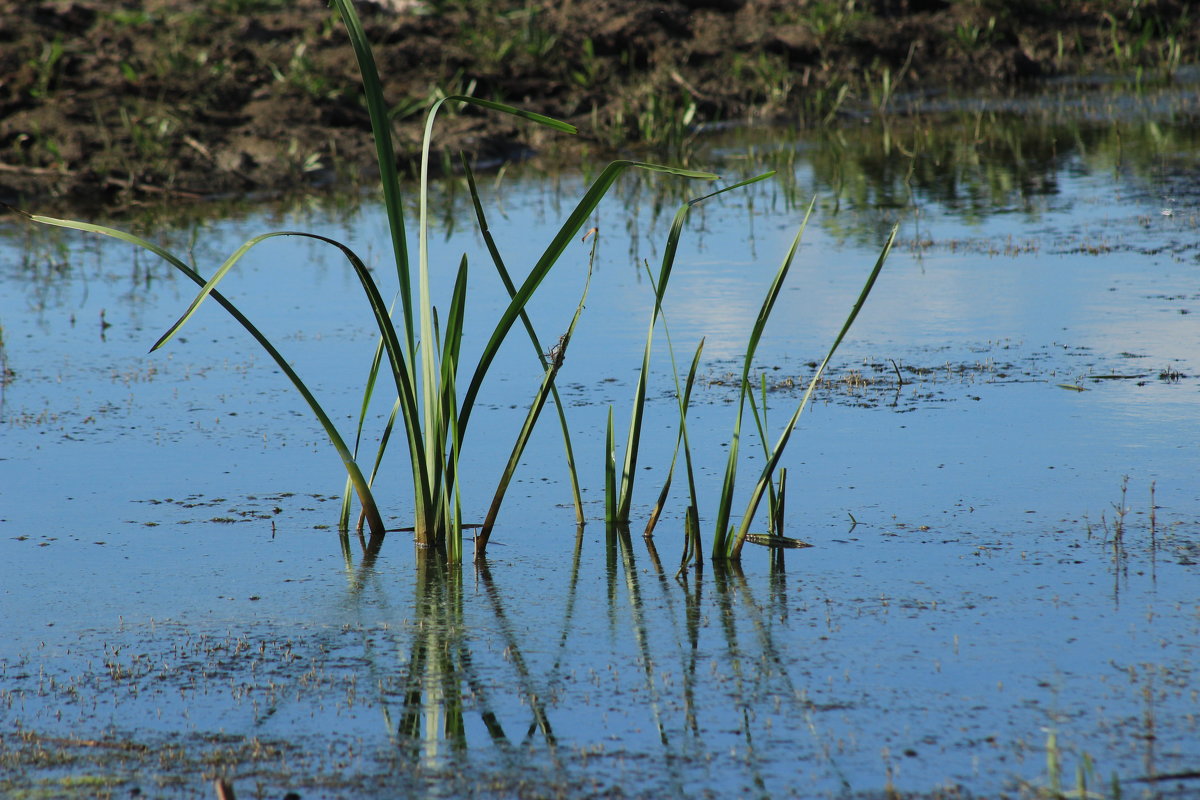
109 103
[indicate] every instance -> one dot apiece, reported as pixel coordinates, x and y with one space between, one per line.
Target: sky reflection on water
170 578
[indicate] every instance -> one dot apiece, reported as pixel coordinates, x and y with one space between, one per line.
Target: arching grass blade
375 521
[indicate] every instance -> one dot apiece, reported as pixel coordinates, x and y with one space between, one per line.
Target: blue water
171 575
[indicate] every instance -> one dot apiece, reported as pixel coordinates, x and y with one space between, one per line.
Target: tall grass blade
531 418
374 520
452 345
452 500
687 451
368 393
735 546
725 503
610 475
684 399
694 505
760 422
385 155
510 287
449 412
637 414
384 437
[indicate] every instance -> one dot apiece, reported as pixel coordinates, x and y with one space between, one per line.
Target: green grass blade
760 423
368 393
385 156
446 415
570 228
725 502
453 496
367 500
540 119
539 350
384 437
777 508
735 547
383 441
684 401
531 418
694 546
210 285
639 402
610 474
453 341
686 555
632 442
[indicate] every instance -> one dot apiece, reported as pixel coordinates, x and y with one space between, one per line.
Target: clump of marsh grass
435 386
728 537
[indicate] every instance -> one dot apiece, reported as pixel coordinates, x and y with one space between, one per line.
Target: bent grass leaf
208 288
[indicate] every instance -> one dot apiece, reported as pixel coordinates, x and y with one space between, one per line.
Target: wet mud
111 104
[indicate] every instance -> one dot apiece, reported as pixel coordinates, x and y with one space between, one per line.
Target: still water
998 481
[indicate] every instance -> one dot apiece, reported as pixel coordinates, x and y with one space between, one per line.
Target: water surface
998 480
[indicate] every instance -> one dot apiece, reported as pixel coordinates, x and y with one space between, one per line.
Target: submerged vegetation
433 404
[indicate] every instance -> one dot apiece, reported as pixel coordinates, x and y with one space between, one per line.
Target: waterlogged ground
998 479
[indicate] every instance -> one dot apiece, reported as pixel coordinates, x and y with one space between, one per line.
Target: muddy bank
108 104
